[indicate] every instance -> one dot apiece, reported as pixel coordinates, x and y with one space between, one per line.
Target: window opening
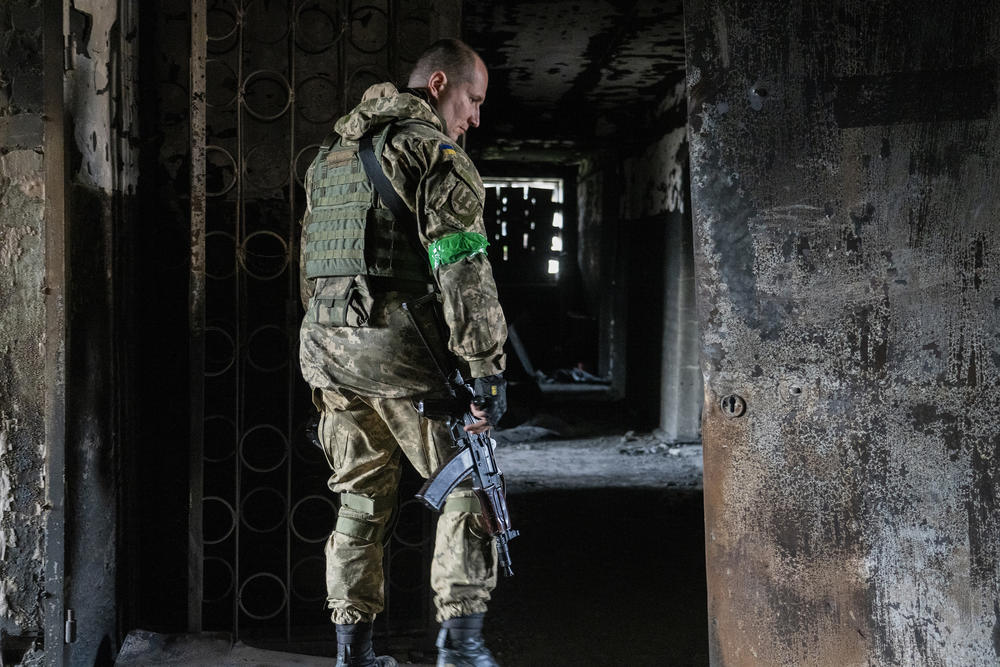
524 219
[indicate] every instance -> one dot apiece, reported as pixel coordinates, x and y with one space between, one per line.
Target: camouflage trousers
363 439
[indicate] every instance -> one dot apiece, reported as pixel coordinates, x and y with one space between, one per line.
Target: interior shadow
612 576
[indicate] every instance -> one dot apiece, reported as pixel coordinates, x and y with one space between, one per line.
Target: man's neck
425 95
422 93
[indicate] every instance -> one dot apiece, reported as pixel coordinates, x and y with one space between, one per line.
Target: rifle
475 457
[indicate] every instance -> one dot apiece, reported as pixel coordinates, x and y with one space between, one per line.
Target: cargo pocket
341 302
322 425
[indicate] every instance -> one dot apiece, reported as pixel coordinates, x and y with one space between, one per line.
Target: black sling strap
382 184
400 212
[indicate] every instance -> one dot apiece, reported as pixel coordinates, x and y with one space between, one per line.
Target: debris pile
649 444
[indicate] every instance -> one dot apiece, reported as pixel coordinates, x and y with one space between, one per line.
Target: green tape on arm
456 247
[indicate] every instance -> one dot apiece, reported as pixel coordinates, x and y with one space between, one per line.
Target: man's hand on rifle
489 404
481 426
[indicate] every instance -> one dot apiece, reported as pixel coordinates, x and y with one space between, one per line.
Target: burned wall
844 179
662 332
101 174
654 175
22 327
636 261
600 236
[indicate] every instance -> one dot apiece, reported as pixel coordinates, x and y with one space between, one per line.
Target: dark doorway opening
256 473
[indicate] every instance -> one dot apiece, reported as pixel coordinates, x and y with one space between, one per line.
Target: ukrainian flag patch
447 149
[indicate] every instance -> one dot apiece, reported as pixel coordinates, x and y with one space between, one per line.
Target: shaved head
455 79
452 56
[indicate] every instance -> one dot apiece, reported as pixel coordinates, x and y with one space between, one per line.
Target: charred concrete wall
101 91
22 324
636 261
98 115
601 262
844 180
662 332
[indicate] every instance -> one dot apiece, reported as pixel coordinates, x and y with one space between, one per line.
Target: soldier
363 358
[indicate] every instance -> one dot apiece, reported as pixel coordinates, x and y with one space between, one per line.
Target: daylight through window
524 222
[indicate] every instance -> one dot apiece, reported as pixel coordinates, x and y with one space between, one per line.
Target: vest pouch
341 302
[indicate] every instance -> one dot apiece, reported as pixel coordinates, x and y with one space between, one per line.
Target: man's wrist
491 396
481 368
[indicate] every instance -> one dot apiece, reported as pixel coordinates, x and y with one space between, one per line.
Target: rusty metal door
269 78
844 177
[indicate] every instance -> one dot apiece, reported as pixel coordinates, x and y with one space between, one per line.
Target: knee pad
367 528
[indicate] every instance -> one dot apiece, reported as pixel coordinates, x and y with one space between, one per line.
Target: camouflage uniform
364 377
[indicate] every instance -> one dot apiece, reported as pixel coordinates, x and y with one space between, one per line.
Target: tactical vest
348 231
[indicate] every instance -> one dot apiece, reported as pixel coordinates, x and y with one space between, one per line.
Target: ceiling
571 76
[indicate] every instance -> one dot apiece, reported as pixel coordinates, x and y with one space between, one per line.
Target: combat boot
460 643
354 647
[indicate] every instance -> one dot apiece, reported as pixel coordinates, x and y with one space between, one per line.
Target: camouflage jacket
438 182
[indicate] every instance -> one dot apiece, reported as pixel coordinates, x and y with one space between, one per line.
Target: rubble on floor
542 454
143 647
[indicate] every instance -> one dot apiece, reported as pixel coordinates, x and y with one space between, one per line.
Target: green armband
455 247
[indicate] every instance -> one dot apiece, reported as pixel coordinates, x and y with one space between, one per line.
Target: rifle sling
388 194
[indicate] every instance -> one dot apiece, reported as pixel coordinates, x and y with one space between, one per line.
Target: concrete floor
609 567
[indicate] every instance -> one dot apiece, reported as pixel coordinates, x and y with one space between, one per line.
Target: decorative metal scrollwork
263 596
279 74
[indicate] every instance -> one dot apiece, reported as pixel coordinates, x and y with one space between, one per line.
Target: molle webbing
334 232
345 234
394 256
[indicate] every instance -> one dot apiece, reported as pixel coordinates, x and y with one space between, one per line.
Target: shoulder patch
446 149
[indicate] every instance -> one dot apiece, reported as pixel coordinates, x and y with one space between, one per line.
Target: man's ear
436 83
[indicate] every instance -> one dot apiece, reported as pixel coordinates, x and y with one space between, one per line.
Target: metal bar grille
277 75
196 305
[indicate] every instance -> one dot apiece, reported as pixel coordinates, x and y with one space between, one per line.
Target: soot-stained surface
22 327
842 231
578 68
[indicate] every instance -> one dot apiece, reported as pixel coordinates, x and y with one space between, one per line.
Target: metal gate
269 78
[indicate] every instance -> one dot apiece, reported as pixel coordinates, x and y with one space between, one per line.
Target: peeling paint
654 180
94 59
11 246
21 372
847 272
